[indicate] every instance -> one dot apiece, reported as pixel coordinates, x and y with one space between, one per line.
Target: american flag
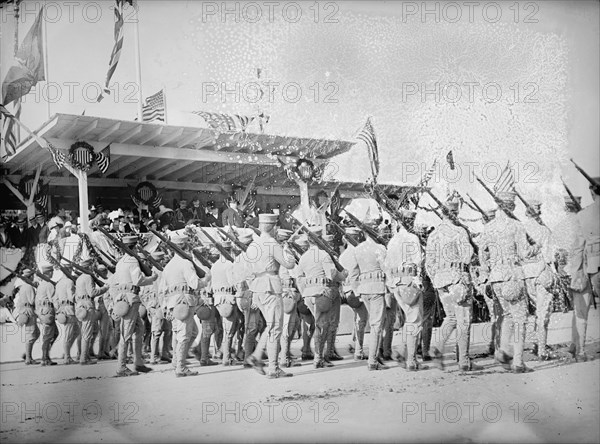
225 122
367 135
103 159
116 52
506 181
154 108
9 138
57 156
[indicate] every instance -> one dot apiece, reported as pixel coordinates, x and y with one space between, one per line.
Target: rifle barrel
199 271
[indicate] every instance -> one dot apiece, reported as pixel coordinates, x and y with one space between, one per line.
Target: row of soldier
276 280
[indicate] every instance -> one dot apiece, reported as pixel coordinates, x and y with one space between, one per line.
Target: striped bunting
506 181
154 108
103 159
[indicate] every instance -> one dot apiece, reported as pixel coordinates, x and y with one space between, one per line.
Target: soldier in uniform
331 353
128 279
448 256
266 293
85 294
369 257
320 282
538 272
64 294
102 328
350 297
161 327
223 290
503 248
583 266
25 314
307 320
46 313
403 267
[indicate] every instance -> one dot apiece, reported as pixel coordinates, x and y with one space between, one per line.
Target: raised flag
30 65
118 46
506 181
450 159
367 135
103 159
154 108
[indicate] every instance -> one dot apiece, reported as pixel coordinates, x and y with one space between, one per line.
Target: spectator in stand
197 211
212 215
19 235
5 241
182 215
232 215
164 217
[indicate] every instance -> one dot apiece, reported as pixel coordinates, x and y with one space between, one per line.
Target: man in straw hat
267 293
180 284
25 314
448 255
502 249
46 313
127 280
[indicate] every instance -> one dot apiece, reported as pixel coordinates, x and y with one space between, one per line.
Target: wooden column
83 201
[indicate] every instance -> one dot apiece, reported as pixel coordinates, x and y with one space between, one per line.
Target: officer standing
448 256
503 248
128 279
266 293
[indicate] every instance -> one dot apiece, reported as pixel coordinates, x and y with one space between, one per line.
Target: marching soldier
26 315
369 257
223 290
161 326
181 283
331 353
503 248
538 271
128 279
103 325
64 294
448 256
266 293
582 266
320 282
307 320
349 286
291 296
85 294
46 313
403 267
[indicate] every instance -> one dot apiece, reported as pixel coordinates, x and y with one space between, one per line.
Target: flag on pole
9 139
450 159
225 122
116 52
103 159
58 156
154 108
506 181
30 65
367 135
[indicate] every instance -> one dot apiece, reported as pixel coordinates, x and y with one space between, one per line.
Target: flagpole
164 90
17 105
138 64
46 61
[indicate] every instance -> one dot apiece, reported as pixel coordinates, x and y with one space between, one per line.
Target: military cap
302 241
46 267
268 218
158 255
284 234
226 244
129 239
328 237
353 231
316 229
246 238
27 271
506 196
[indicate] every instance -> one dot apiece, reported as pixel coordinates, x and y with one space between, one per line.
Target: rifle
454 220
44 277
572 197
321 244
593 184
153 261
20 276
87 271
111 259
256 230
143 265
530 209
218 246
486 219
503 208
94 253
194 236
232 238
341 230
199 271
368 230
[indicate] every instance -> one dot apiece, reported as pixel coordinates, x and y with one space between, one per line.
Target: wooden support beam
135 167
151 136
193 167
85 131
68 133
168 171
106 134
124 162
132 133
172 137
156 165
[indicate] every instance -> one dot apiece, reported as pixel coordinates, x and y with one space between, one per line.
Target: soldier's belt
178 288
129 288
372 276
406 270
27 304
66 302
46 302
320 281
456 266
288 282
84 297
226 290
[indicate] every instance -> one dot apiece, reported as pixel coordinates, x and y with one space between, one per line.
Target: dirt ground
558 402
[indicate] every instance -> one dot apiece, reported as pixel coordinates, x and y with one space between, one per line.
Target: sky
335 63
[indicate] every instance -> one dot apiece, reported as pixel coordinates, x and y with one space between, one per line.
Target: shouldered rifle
229 235
87 271
20 276
485 218
197 254
454 220
531 210
368 230
111 259
179 251
44 277
341 230
593 184
153 261
218 246
143 265
256 230
321 244
94 251
572 197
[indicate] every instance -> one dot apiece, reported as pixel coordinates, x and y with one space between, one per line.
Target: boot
204 351
154 349
28 359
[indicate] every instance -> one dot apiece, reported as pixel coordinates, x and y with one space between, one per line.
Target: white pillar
84 215
304 200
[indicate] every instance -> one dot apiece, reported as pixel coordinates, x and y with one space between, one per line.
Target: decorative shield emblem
81 155
146 193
